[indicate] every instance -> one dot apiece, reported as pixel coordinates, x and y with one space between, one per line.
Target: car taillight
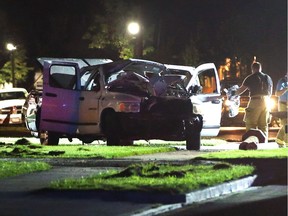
13 110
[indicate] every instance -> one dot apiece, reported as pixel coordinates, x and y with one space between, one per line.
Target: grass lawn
171 178
158 177
24 149
11 168
138 177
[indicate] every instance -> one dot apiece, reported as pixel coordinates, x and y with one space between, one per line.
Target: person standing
282 94
257 112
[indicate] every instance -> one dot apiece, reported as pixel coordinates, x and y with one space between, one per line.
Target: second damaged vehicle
118 102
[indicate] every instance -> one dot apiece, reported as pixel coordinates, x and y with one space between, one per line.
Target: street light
11 48
134 29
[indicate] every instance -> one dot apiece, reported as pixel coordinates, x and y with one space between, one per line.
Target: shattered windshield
134 78
143 70
185 73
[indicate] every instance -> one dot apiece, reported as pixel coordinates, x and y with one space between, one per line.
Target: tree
21 68
109 29
190 54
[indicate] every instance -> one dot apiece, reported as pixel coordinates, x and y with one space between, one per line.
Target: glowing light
133 28
10 47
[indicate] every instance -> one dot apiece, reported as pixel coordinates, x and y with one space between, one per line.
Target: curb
201 195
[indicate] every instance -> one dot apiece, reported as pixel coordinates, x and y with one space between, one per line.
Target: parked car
206 98
118 102
11 102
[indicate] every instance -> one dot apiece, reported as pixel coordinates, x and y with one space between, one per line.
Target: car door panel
89 113
60 103
89 105
208 102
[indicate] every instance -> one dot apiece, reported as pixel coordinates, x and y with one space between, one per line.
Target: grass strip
11 168
77 151
154 177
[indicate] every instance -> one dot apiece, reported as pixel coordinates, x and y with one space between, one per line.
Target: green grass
155 177
10 168
233 154
24 149
170 178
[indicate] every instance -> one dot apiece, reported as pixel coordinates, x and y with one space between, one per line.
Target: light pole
134 29
11 48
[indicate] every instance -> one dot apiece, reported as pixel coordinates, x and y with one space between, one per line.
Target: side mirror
193 90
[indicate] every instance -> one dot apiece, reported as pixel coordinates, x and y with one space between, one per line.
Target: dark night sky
29 25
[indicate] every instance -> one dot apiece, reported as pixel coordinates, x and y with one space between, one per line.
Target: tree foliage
190 54
21 68
109 29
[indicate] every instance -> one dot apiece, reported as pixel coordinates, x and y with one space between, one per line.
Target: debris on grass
22 141
173 179
56 153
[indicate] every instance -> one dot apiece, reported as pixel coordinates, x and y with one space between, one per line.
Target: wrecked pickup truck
117 102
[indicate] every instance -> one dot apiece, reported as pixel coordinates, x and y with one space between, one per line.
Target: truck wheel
126 142
43 137
49 138
193 129
53 138
193 141
111 129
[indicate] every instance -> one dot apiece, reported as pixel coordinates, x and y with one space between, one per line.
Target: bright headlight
129 107
271 103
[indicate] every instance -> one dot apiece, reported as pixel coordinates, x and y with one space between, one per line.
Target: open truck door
60 99
206 97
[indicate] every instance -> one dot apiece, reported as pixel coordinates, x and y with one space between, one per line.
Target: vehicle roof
113 67
180 67
82 62
13 90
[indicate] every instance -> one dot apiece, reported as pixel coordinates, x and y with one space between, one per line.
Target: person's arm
278 93
241 90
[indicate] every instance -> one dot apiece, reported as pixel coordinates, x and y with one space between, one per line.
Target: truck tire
49 138
193 141
111 129
193 129
43 137
126 142
53 138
